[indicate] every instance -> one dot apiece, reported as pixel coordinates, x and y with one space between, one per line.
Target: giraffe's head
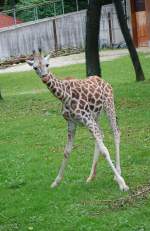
40 64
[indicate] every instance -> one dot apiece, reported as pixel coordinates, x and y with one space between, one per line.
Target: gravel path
73 59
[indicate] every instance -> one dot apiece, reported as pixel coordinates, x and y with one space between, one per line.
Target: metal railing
51 8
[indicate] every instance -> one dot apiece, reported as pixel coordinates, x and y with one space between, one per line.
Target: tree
126 33
92 36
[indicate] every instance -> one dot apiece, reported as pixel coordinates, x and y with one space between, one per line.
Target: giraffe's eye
47 65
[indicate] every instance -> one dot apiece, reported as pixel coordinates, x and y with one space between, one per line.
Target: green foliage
32 138
39 9
7 4
44 8
71 6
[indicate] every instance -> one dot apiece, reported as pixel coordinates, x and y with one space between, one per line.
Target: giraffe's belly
79 115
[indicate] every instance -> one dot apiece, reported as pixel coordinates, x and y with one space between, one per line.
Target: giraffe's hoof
54 184
124 188
90 178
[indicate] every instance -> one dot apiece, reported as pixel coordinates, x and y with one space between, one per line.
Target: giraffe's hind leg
93 127
109 108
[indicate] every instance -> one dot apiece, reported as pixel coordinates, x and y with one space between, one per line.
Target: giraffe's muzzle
45 78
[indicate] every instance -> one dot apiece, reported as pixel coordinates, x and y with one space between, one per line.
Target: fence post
77 5
55 36
35 13
36 10
63 7
110 28
54 9
14 15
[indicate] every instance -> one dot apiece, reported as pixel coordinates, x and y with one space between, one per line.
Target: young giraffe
82 102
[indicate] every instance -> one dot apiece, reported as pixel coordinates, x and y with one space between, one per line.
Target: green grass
32 138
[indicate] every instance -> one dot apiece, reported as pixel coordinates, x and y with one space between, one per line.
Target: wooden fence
61 32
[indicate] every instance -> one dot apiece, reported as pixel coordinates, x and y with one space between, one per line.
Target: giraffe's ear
30 62
48 57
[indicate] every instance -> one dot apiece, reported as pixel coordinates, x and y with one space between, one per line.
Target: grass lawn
32 138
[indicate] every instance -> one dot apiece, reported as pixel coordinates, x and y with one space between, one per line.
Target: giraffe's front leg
67 151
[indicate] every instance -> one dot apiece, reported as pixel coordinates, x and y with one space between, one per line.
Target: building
6 21
140 22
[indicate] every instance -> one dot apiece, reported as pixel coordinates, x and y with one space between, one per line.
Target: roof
6 20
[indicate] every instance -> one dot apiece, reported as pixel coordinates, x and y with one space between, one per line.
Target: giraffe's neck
56 86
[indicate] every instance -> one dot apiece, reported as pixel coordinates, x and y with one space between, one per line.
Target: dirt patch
68 60
140 193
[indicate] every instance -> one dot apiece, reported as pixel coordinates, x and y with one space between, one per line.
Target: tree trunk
128 39
92 38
